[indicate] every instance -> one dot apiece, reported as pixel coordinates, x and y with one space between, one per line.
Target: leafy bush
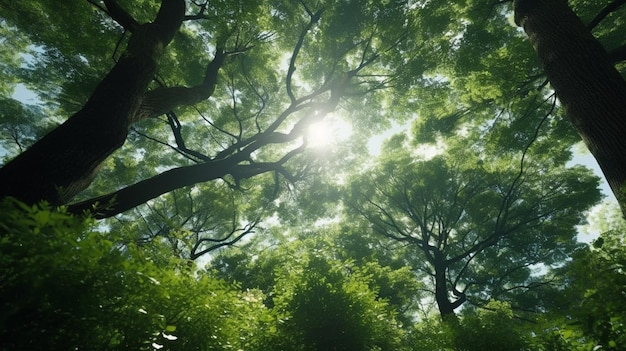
65 286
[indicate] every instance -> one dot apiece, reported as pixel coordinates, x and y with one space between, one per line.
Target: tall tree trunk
442 294
64 162
589 87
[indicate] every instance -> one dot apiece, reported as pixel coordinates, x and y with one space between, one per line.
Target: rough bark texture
162 100
589 87
64 162
442 296
234 165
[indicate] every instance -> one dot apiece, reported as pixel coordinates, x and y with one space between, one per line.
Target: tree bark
65 161
591 90
442 296
162 100
122 200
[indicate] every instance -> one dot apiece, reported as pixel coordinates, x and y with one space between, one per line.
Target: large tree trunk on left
589 87
64 162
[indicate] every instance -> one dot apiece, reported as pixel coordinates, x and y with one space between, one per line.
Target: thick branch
200 15
134 195
64 162
119 15
162 100
169 18
614 5
618 55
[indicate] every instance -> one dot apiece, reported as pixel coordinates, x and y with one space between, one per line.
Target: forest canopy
311 175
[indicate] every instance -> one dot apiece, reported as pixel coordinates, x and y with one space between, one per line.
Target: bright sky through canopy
328 132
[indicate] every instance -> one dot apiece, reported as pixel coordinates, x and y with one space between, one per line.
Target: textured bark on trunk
587 84
163 100
442 296
65 161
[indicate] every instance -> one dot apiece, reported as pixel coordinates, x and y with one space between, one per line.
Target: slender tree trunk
64 162
587 84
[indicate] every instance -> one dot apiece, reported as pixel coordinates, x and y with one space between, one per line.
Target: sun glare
329 132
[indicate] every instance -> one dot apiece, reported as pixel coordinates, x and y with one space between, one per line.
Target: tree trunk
442 296
587 84
65 161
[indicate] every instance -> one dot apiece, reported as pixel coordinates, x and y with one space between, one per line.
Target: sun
319 135
329 132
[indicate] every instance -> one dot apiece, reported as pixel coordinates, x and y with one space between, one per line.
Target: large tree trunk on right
587 84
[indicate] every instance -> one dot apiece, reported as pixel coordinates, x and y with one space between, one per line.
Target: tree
332 308
198 111
63 163
475 221
254 127
584 77
593 283
191 223
322 299
491 328
67 286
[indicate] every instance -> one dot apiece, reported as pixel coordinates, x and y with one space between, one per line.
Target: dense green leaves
93 294
477 223
477 203
87 292
322 299
597 280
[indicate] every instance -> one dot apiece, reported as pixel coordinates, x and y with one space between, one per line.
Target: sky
581 155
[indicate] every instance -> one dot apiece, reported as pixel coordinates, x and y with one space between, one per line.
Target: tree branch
163 100
226 241
64 162
618 55
169 18
134 195
613 6
119 15
176 127
292 62
176 149
200 14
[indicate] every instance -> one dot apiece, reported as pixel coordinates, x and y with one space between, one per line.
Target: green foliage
477 95
321 299
598 277
487 218
21 125
587 313
191 222
66 286
431 334
328 305
491 328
